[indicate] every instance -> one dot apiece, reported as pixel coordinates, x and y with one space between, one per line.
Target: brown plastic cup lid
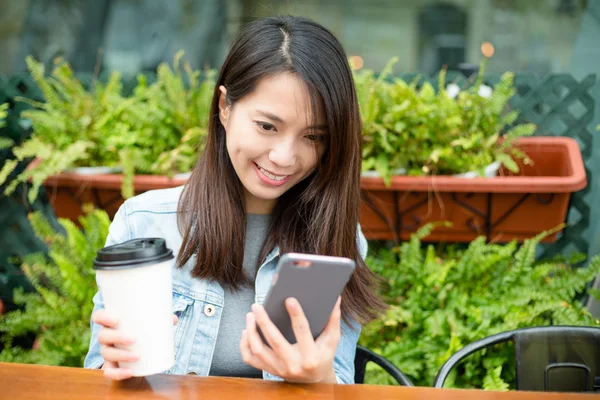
133 253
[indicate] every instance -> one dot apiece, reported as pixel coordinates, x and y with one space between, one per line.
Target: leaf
8 167
382 166
508 162
595 293
491 141
493 380
427 92
5 142
387 69
3 115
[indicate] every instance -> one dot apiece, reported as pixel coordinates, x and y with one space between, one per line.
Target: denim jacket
198 302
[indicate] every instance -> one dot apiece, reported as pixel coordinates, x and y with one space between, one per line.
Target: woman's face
271 140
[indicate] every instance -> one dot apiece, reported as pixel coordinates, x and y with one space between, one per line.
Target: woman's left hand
307 361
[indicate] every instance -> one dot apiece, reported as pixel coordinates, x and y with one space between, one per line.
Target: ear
224 109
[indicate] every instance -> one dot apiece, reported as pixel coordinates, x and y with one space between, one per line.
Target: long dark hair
319 215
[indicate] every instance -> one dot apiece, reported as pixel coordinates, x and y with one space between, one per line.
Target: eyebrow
272 117
275 118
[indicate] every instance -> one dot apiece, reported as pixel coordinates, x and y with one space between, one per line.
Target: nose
283 153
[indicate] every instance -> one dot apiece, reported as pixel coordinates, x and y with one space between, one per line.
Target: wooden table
20 381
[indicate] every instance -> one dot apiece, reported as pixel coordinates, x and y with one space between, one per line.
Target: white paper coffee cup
135 282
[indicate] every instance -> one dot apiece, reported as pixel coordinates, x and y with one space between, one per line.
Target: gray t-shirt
227 359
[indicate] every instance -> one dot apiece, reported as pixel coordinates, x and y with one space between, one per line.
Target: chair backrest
557 358
547 358
364 355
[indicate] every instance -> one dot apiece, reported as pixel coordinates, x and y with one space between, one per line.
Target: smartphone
315 281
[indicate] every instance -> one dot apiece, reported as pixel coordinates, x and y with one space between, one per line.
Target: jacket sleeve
344 358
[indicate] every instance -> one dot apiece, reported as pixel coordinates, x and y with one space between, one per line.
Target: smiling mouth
271 175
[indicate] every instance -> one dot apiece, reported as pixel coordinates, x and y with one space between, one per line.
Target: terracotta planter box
69 191
502 208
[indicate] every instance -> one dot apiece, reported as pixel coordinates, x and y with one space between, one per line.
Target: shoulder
159 201
150 214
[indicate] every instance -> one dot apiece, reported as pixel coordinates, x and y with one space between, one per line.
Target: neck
259 206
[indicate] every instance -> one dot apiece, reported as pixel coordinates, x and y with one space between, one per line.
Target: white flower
453 90
485 91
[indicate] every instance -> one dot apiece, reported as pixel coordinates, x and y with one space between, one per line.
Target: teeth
271 176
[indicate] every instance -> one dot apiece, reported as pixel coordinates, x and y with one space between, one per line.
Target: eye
315 137
265 126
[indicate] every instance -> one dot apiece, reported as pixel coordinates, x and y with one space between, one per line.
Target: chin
268 194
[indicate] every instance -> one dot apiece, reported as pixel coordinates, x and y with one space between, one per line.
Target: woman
279 173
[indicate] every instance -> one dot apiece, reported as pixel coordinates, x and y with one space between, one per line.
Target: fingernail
254 307
291 302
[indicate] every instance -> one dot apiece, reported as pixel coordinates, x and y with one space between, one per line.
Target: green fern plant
4 142
442 302
59 309
171 120
424 132
65 133
159 129
3 114
186 97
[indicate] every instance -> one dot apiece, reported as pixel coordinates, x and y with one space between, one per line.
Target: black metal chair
364 355
548 358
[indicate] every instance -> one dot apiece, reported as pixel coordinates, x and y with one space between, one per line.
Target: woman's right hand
109 338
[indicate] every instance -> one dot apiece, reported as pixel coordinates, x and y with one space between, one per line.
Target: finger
272 335
247 355
111 337
109 364
300 326
104 318
332 332
257 346
113 354
118 374
175 319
